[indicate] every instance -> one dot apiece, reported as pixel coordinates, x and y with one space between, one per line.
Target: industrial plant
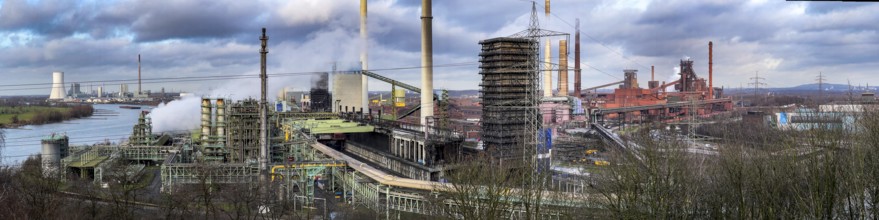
335 143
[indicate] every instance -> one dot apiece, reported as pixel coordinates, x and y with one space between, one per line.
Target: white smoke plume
317 54
676 74
178 115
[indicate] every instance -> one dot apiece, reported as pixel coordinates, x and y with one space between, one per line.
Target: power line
34 86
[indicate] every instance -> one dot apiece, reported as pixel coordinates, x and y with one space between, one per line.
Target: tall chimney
652 71
546 6
426 62
547 65
710 71
547 69
263 123
563 67
364 61
138 74
577 61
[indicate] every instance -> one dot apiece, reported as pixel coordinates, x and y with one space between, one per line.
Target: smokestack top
546 6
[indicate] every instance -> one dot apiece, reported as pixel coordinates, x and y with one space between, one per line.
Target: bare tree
481 189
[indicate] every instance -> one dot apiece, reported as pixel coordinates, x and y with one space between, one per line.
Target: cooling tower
58 91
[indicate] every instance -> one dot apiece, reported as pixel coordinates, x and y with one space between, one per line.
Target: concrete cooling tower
58 91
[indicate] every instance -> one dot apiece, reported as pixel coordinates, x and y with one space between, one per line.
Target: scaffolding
243 131
141 133
509 85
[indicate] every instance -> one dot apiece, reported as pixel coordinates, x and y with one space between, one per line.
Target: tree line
55 115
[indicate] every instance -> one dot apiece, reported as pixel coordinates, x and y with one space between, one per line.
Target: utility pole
263 124
820 80
757 83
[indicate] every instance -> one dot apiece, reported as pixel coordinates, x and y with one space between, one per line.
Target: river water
109 123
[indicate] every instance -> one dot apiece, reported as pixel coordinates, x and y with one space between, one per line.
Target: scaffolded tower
509 86
243 131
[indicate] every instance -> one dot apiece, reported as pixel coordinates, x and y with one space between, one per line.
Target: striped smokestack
364 58
563 68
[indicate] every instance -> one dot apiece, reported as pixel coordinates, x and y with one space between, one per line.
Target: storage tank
221 121
205 119
54 147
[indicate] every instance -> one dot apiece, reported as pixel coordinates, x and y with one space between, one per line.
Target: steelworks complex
382 157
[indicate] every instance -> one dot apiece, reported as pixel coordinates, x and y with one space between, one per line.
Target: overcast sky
789 43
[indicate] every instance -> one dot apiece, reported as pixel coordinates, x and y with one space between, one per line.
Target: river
109 122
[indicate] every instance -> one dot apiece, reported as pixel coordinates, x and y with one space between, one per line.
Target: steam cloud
177 115
315 55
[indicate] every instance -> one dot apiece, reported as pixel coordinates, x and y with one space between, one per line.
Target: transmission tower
757 83
820 80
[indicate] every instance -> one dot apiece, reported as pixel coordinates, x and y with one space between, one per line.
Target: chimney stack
263 121
710 71
577 61
426 61
547 69
547 65
364 58
138 74
563 68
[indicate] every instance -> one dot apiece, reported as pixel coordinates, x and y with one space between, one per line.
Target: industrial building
336 138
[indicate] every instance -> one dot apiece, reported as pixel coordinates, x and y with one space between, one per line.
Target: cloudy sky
789 43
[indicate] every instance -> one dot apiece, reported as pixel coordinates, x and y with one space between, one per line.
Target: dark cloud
158 20
827 7
100 39
52 19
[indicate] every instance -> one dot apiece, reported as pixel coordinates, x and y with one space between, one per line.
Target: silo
54 147
221 122
205 119
58 91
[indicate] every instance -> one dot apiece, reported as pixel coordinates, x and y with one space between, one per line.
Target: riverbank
109 123
17 116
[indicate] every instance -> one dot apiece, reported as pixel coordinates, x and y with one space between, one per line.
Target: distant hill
827 87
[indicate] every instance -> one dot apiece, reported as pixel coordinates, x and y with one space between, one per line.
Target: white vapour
178 115
676 74
317 54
